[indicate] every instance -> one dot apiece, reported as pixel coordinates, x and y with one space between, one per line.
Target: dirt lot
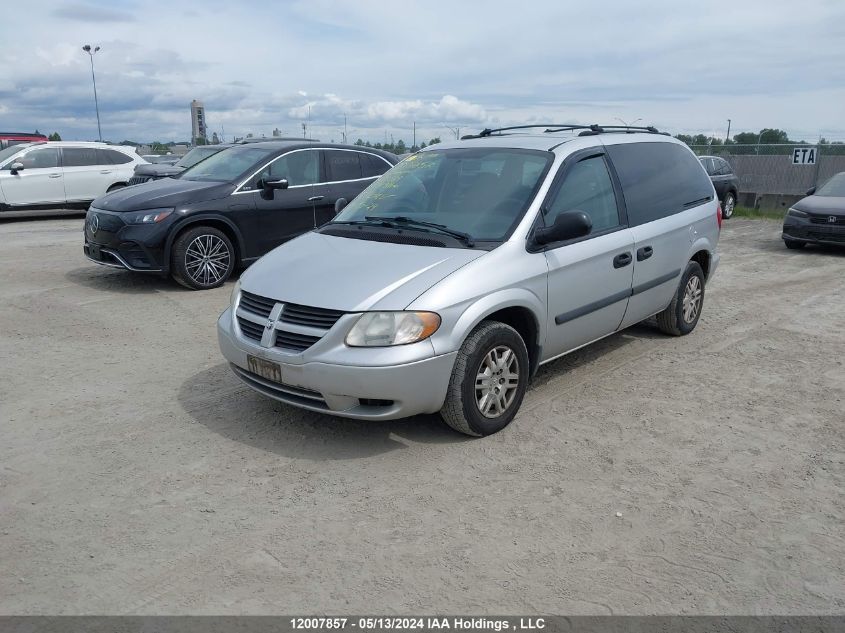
137 475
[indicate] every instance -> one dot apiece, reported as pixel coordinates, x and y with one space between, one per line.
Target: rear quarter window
659 180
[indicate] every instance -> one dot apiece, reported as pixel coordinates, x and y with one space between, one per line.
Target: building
198 125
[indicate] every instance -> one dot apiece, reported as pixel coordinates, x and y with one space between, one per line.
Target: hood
829 205
156 194
159 171
351 275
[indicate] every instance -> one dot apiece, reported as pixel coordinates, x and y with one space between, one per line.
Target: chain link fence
767 170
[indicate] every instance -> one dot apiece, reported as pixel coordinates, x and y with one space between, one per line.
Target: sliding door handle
644 253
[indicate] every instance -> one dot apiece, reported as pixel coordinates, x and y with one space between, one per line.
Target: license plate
264 368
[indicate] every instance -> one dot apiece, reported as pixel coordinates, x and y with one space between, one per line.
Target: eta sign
804 155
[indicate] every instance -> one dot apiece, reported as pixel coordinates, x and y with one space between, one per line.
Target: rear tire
488 381
202 258
794 244
728 206
682 315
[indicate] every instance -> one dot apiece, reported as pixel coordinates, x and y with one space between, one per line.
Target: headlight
148 216
235 291
795 213
382 329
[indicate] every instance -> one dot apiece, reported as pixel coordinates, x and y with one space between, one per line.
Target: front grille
250 330
823 219
137 180
831 234
294 341
256 304
312 317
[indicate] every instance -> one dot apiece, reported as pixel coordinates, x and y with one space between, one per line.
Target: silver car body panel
573 293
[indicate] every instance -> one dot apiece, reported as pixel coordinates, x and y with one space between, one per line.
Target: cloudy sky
680 65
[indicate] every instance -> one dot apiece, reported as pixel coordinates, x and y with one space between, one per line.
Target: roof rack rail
586 130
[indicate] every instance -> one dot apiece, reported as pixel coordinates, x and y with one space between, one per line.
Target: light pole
87 49
627 124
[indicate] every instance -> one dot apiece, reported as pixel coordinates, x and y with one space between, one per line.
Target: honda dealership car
228 209
819 218
62 172
445 284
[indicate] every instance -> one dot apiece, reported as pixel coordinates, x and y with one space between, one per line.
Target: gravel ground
644 474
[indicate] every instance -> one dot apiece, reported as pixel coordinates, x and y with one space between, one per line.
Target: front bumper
385 392
814 231
135 247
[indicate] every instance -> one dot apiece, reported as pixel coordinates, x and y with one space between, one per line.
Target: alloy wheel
496 381
692 299
207 259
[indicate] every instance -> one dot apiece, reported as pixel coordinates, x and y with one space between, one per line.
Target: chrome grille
297 317
250 330
294 341
257 305
824 219
312 317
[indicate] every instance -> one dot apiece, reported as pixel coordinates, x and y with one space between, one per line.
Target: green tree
773 135
435 140
400 147
55 137
686 138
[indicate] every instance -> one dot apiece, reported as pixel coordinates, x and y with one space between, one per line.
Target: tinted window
480 191
41 158
723 167
709 166
372 165
659 179
80 157
587 188
342 165
228 165
196 155
298 168
112 157
834 187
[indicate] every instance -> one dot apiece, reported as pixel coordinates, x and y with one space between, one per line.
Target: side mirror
340 204
810 191
567 226
268 187
16 167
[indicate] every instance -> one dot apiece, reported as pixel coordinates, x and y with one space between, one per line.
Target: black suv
228 209
154 171
724 181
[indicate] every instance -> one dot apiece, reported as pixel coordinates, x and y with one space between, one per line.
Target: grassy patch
765 214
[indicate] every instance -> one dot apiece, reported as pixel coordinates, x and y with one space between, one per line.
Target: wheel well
117 184
522 320
220 225
703 259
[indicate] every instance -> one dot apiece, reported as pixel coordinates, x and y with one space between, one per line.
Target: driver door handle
55 175
105 171
315 198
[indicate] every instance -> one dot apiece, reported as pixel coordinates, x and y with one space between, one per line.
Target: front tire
202 258
682 315
488 381
728 206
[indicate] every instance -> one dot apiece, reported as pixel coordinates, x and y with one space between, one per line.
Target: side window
372 166
298 168
79 156
112 157
587 188
659 179
342 165
724 167
709 166
44 158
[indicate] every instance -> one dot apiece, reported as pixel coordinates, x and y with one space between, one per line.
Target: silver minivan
451 279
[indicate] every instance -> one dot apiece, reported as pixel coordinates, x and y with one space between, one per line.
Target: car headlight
235 292
795 213
382 329
147 216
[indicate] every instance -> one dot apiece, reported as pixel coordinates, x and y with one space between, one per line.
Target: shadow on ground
216 399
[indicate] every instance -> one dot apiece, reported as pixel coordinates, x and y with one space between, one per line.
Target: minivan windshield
482 192
835 187
227 165
196 155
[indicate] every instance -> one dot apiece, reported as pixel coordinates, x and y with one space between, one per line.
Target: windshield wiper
395 220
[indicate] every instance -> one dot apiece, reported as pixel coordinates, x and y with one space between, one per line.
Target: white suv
59 173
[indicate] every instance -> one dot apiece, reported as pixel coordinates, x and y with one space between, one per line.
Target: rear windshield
835 187
196 155
228 165
480 191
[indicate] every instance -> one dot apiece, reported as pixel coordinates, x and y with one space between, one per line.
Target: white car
62 173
